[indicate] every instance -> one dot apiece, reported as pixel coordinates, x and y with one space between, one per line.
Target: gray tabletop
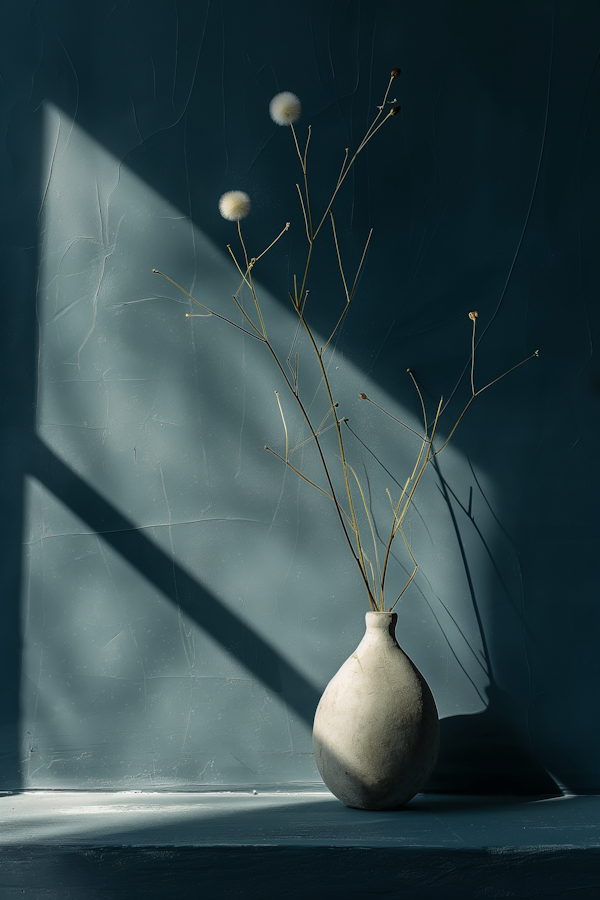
429 821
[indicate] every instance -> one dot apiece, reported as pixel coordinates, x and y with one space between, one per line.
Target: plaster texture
171 594
376 733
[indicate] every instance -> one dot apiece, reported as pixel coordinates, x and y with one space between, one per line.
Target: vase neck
382 622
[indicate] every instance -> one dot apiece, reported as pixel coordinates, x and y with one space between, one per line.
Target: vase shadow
487 753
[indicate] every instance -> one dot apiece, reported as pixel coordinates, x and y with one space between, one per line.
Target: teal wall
174 601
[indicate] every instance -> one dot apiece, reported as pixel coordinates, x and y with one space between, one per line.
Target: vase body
376 729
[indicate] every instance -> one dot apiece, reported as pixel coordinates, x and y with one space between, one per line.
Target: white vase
376 729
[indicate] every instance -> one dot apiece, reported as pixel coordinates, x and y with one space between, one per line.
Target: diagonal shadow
234 635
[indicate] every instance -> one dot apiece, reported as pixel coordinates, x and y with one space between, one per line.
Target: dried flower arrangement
353 510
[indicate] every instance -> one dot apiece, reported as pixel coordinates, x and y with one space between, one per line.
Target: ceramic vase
376 729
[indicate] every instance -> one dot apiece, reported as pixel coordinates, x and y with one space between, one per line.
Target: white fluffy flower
234 205
285 108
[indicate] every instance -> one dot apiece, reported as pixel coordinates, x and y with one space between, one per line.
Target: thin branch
294 374
307 143
368 449
340 442
306 293
395 525
319 432
300 157
397 521
339 258
366 139
421 399
380 108
339 510
370 525
409 550
508 371
413 574
308 481
272 244
297 471
375 607
342 178
247 317
303 212
473 317
325 417
239 268
303 164
362 259
387 490
301 298
456 424
339 181
404 588
428 457
423 445
249 281
239 228
399 516
284 427
363 396
312 233
210 311
341 318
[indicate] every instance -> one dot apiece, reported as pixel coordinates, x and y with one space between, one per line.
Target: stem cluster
351 498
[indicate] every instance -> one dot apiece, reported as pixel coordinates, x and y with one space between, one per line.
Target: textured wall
174 600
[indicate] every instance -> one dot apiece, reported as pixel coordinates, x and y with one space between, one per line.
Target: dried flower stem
209 312
374 577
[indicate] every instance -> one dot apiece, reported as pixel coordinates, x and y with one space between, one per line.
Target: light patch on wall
166 418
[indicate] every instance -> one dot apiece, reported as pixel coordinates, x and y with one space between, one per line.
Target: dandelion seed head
234 205
285 108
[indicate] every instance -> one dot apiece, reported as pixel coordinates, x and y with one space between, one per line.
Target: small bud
394 111
473 316
363 396
395 72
